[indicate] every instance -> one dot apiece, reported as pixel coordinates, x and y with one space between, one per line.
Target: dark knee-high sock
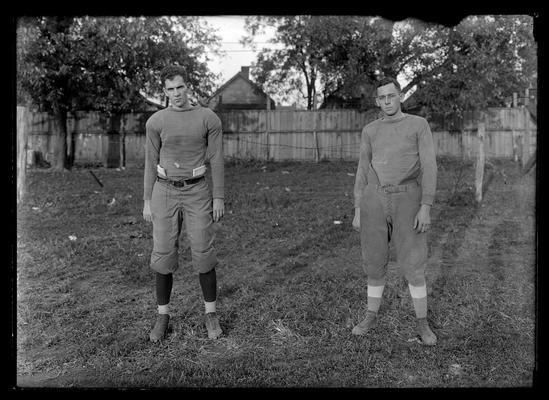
164 283
208 283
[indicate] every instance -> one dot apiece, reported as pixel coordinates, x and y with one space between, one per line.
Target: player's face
176 90
388 99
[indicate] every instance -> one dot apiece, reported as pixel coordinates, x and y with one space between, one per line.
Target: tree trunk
311 94
59 162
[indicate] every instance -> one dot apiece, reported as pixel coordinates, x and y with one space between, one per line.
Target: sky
231 30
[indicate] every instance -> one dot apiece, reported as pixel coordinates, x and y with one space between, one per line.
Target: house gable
239 92
242 91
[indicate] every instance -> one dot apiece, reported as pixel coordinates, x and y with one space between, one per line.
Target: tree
296 64
343 55
367 48
69 64
487 58
475 64
46 79
472 65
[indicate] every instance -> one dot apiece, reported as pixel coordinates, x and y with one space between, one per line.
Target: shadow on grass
456 216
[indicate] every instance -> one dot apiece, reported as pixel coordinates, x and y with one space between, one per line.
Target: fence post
462 144
122 130
315 128
479 172
518 138
525 142
21 151
520 148
315 134
267 145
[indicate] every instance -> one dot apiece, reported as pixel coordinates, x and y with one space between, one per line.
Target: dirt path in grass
493 242
495 239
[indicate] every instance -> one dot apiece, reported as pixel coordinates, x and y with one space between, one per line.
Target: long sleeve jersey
399 150
180 141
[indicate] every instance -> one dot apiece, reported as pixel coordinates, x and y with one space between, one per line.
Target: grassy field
290 286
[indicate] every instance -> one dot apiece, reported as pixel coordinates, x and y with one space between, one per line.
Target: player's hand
422 221
147 214
218 209
356 220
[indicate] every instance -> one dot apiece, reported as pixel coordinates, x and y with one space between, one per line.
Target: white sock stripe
375 291
163 309
418 292
209 306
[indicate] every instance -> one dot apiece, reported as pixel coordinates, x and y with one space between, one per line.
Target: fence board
291 134
479 168
22 130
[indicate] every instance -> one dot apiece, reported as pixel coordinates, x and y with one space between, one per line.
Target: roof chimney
245 71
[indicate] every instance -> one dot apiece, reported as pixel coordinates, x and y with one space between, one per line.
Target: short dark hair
386 81
171 71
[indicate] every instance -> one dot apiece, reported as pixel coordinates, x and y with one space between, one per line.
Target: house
334 101
413 104
357 96
240 93
150 105
291 107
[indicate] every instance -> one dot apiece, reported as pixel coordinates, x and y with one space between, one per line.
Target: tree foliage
104 63
361 50
294 66
341 55
474 64
486 59
67 64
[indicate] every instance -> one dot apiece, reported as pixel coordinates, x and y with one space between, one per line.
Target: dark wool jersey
400 150
180 141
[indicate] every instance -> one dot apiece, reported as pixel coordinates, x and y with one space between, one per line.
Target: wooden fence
22 128
313 135
282 135
293 135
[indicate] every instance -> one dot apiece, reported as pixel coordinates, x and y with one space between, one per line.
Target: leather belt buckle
393 188
180 183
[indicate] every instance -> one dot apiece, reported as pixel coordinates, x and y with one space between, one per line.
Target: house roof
243 76
154 103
